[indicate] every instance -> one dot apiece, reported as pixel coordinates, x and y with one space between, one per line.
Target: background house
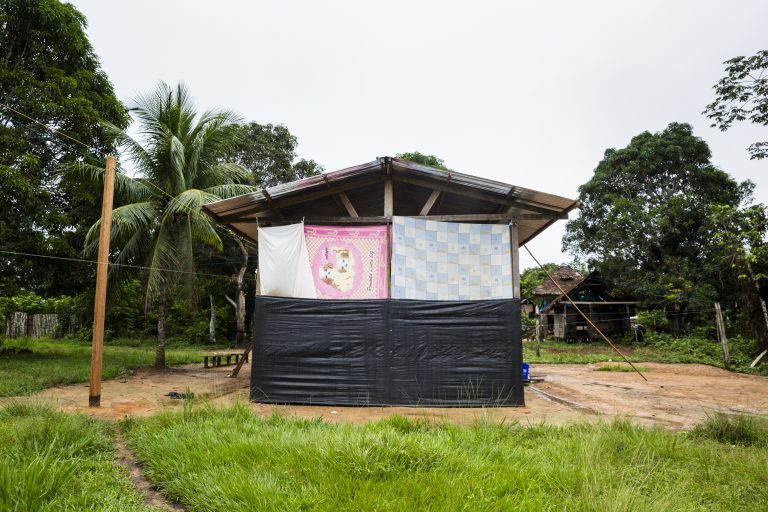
606 306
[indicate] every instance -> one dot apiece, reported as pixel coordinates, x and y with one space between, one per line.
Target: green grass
52 461
232 460
737 430
658 348
620 368
29 365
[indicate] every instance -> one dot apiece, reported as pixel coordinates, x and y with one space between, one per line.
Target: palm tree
177 158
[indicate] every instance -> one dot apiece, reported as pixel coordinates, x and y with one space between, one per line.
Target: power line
79 260
22 114
89 148
585 316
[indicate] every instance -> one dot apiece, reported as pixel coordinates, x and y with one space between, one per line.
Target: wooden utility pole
97 349
721 334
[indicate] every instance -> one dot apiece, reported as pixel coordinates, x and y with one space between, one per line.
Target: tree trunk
240 306
759 297
212 325
160 350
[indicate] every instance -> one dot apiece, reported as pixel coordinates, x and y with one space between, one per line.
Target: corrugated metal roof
460 194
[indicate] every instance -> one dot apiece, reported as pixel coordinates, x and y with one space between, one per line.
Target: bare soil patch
675 396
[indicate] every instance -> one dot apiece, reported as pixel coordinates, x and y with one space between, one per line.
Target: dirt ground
676 396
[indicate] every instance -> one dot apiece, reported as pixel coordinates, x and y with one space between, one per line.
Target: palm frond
203 230
177 160
127 220
231 190
127 188
220 174
189 201
164 259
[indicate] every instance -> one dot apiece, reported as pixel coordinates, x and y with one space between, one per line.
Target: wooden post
539 327
388 198
721 333
100 303
514 246
758 358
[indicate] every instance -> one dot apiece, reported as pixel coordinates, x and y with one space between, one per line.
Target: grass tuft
619 368
737 430
54 461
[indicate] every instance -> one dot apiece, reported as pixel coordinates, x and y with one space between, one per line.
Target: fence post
721 334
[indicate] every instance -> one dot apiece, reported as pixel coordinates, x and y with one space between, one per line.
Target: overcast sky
526 93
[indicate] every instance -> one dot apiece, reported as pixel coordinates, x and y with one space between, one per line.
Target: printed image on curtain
348 262
283 262
448 261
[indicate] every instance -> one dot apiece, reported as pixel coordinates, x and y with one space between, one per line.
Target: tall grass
659 348
52 461
29 365
737 430
233 460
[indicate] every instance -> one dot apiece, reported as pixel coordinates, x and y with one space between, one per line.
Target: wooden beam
388 198
271 204
514 245
481 217
347 204
298 199
102 269
469 192
335 197
430 202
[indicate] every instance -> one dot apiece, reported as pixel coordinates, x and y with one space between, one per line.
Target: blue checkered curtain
448 261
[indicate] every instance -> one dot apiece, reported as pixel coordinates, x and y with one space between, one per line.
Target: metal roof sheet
462 194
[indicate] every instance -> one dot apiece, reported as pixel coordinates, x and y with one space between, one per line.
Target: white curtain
284 262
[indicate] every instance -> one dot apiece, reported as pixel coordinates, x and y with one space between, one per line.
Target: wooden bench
216 359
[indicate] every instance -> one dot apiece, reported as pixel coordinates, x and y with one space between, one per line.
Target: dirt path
124 457
676 396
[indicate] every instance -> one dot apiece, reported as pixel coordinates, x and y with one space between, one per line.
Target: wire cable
585 316
94 262
22 114
89 148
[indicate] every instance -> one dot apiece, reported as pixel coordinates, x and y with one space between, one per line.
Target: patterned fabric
449 261
348 262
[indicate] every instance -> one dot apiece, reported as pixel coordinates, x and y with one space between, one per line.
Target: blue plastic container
525 371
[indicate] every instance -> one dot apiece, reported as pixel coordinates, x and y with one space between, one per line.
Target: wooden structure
372 193
607 307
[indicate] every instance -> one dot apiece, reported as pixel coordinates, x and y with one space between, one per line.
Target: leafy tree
420 158
269 152
48 71
178 160
533 277
741 235
742 95
644 218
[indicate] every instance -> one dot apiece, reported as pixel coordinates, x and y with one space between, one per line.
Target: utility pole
100 302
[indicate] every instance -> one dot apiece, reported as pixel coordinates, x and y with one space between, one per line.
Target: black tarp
387 352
